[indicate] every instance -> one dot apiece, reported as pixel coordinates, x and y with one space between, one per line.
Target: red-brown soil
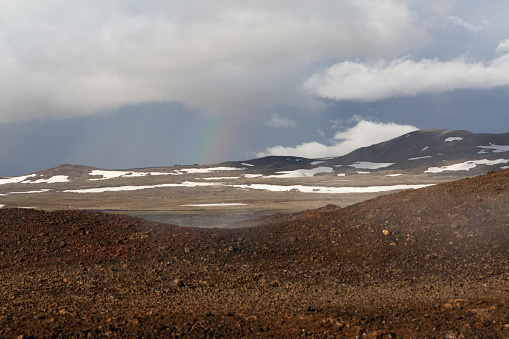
429 263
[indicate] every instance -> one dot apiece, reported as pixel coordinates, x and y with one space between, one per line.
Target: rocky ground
429 263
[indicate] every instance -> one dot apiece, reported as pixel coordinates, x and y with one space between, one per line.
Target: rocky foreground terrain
427 263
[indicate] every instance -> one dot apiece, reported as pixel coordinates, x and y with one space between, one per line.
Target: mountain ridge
410 151
414 150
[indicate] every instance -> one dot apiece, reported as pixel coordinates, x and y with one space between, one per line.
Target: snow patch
52 180
245 164
136 188
221 178
417 158
30 192
466 166
1 206
14 180
370 165
210 169
318 162
453 139
495 148
251 176
265 187
301 173
425 148
393 175
341 174
363 172
334 190
107 174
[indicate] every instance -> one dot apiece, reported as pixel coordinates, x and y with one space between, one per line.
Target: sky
130 84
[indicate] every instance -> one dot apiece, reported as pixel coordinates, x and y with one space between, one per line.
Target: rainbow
211 140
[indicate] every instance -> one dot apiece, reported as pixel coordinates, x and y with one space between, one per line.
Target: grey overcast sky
123 84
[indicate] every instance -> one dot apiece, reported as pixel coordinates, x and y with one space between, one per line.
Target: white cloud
278 121
64 58
350 80
462 23
365 133
503 46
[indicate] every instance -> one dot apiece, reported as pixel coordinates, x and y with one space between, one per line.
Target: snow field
494 148
453 139
370 165
265 187
466 166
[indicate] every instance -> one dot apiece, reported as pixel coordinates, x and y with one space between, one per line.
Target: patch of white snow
301 173
333 190
52 180
30 192
466 166
221 178
245 164
107 174
318 162
495 148
370 165
393 175
453 139
210 169
14 180
417 158
136 188
251 176
425 148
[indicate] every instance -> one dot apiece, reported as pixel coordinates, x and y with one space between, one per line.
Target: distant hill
422 151
432 148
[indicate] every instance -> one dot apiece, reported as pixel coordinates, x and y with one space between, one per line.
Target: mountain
433 148
220 195
427 263
422 151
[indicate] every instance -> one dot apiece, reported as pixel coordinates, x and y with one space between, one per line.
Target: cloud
503 46
61 58
462 23
278 121
351 80
364 133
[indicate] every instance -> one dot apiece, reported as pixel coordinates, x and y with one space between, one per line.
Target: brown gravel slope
426 263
